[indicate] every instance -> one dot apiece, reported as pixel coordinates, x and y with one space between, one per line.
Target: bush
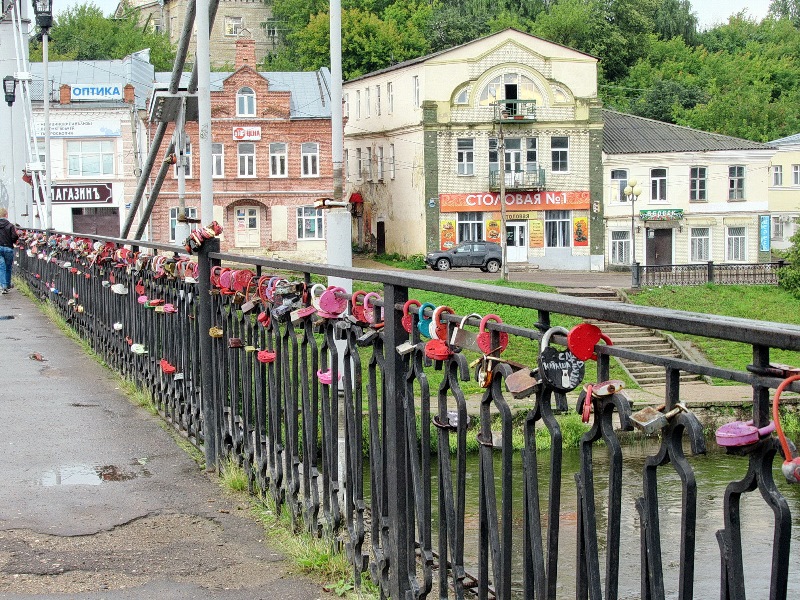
789 276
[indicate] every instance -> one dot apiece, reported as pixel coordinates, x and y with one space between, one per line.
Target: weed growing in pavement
232 476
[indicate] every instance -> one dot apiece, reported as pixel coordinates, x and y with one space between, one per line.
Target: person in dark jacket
8 237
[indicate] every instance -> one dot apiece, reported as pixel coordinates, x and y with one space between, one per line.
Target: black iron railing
710 272
278 390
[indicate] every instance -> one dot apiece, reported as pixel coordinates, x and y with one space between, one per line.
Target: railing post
636 275
396 444
210 429
710 272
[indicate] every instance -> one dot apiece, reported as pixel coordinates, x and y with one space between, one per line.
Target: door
513 164
659 246
462 254
517 241
380 240
248 233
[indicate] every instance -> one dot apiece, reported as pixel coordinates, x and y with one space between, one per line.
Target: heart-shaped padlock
485 337
408 319
372 314
357 306
332 301
560 369
582 339
437 350
424 323
438 329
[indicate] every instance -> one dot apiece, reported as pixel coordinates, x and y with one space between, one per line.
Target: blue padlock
425 322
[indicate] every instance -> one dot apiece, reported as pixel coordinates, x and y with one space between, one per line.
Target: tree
675 18
786 9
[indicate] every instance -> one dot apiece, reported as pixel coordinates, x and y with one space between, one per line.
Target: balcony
515 111
531 179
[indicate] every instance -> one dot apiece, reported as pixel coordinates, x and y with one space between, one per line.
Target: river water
713 472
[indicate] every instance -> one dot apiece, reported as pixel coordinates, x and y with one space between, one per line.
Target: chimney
245 53
64 94
128 94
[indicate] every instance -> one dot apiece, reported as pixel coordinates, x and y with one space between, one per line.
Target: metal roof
629 134
311 94
786 141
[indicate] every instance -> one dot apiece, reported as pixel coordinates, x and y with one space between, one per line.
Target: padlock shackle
369 308
436 320
408 304
486 319
316 296
356 295
549 333
776 416
466 317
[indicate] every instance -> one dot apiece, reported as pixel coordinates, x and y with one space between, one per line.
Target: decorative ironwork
700 274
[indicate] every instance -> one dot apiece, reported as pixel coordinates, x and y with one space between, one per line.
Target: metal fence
700 274
237 361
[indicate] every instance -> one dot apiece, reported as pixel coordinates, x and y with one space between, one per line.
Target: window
186 159
346 109
465 156
557 228
233 25
470 226
277 159
736 183
368 166
795 174
380 163
87 159
619 181
358 104
509 86
531 155
494 157
700 244
191 213
658 185
559 152
735 244
777 229
359 164
309 223
377 100
245 102
247 159
777 175
391 161
462 97
309 159
390 97
366 104
621 247
217 160
347 165
415 85
697 184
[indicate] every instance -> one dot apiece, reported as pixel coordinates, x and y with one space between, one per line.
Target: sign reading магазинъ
83 92
93 193
664 214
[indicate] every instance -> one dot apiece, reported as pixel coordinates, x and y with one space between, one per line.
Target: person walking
8 237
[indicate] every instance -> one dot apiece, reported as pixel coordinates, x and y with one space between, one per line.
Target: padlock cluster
196 238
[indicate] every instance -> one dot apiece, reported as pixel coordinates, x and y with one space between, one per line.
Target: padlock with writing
424 322
485 337
560 369
408 319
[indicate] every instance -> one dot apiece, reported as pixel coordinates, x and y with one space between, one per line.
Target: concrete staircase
640 339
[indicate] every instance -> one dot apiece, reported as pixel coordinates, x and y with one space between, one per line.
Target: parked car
487 256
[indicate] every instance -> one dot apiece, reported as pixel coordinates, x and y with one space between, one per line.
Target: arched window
510 86
245 102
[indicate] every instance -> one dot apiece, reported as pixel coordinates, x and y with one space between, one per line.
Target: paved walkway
97 501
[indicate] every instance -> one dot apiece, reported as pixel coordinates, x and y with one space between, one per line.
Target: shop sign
246 134
88 128
90 193
81 92
493 231
515 202
580 231
447 234
664 214
764 233
536 233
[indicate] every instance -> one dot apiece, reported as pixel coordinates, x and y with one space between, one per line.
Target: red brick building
271 146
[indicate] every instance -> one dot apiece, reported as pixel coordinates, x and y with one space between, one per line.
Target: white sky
709 12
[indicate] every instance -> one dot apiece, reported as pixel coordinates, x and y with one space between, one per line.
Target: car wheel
493 266
443 264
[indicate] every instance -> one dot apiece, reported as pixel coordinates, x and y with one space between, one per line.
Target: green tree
786 9
675 18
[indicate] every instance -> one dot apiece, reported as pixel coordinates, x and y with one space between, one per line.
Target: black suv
488 256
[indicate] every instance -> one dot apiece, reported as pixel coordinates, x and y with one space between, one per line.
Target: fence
700 274
278 388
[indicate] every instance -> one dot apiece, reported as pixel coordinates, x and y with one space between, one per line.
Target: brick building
271 145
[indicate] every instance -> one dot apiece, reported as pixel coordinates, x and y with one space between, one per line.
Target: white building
784 190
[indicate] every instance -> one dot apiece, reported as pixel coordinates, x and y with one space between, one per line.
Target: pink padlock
408 319
370 309
741 433
326 377
332 303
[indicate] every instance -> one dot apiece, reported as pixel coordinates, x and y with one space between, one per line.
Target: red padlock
437 350
791 465
438 330
265 356
485 337
582 339
408 319
357 306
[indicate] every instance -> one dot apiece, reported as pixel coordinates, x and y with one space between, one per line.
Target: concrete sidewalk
98 502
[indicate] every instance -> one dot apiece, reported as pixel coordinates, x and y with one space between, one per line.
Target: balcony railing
530 179
515 111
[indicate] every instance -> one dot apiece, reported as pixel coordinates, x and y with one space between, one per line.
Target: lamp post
632 192
44 20
9 88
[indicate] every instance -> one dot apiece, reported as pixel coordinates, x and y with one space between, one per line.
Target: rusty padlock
485 337
561 370
438 329
483 369
408 319
596 390
651 420
523 382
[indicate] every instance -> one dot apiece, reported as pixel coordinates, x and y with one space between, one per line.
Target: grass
415 262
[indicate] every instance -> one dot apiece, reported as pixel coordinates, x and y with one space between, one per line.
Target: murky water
87 475
713 472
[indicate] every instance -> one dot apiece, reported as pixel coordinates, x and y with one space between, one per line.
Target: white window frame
246 160
736 244
620 247
217 160
531 154
378 100
191 213
469 227
310 223
245 102
389 97
465 156
346 165
795 174
391 162
558 228
346 108
559 156
233 26
380 163
736 181
105 156
278 159
359 163
698 184
776 232
699 244
415 90
777 175
368 159
658 185
366 103
309 159
619 181
358 104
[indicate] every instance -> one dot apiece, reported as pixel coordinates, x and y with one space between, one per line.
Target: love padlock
332 302
462 338
357 306
373 314
485 337
424 323
438 329
742 433
561 370
437 350
582 339
316 293
408 319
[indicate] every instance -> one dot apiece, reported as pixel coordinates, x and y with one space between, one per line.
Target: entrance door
517 241
380 239
248 234
659 246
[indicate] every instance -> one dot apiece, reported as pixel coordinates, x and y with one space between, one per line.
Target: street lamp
44 20
9 87
632 192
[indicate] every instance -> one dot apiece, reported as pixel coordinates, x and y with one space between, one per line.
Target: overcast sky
709 12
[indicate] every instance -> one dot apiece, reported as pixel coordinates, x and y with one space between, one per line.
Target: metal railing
702 273
277 389
510 111
531 179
